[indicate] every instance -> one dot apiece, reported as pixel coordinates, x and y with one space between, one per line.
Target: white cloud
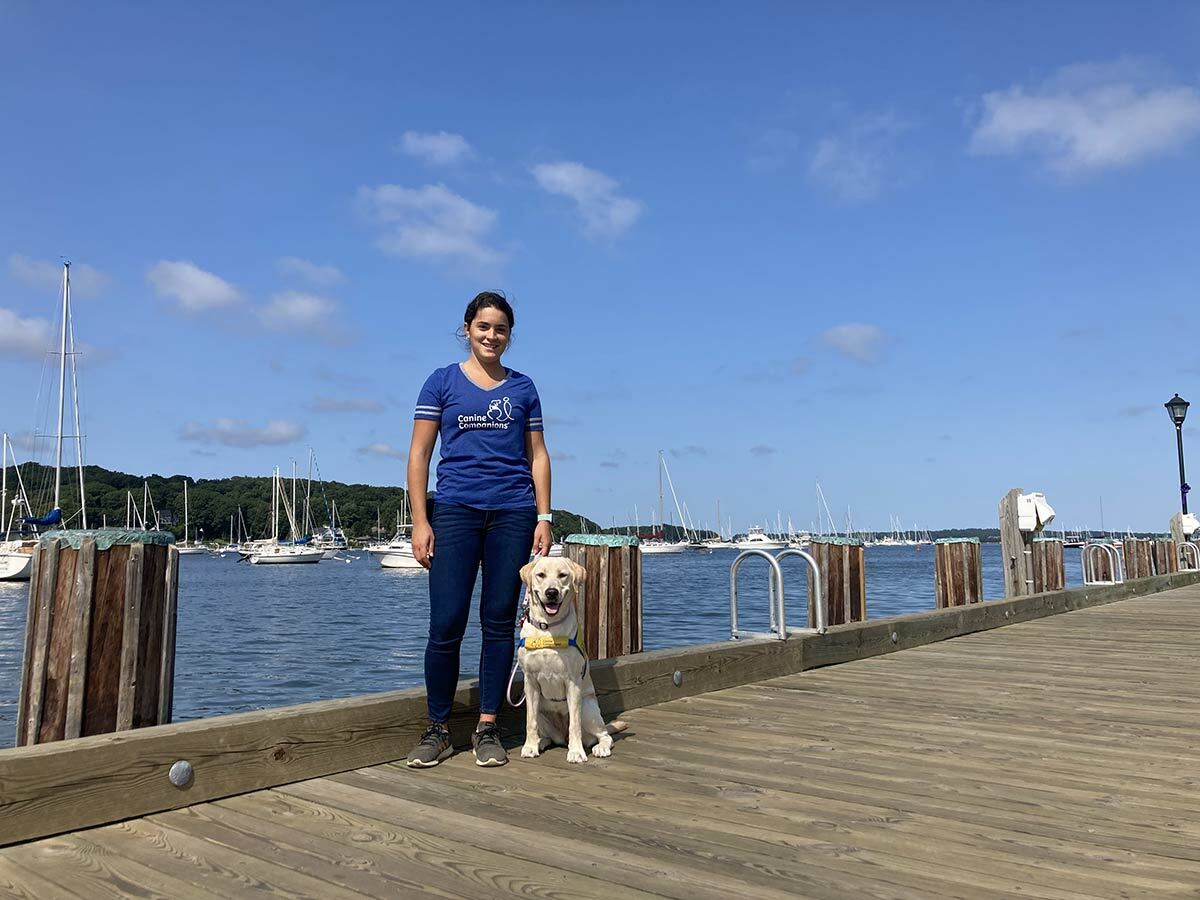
861 343
437 148
301 313
605 212
192 288
1090 117
236 433
25 337
854 163
386 450
86 281
320 275
345 404
430 222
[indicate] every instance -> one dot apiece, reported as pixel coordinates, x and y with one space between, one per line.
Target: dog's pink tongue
552 610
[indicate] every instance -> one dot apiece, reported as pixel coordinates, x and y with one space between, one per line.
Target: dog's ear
526 572
578 573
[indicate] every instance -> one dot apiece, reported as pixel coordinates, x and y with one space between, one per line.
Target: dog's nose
552 593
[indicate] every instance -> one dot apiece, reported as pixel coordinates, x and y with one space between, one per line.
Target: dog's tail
616 726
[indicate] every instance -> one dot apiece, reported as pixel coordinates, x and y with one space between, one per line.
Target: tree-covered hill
212 501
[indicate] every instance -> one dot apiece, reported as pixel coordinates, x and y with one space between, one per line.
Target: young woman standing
491 509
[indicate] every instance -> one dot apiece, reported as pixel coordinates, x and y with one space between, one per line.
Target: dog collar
549 642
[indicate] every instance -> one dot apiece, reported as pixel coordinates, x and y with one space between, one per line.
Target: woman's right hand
422 543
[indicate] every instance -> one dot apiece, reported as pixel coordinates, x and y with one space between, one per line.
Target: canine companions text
560 700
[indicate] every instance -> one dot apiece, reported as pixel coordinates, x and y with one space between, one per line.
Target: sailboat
658 543
186 547
16 553
275 553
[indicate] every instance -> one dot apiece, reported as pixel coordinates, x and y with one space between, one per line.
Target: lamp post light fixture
1177 409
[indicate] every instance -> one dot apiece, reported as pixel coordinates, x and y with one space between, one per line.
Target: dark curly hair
486 300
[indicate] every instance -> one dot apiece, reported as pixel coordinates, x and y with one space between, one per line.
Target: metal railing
775 596
1092 554
1189 556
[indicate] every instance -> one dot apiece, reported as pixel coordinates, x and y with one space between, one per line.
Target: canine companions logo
499 414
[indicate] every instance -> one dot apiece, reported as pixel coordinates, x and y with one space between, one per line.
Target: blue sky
919 255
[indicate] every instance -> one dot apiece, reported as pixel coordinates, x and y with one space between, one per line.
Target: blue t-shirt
483 462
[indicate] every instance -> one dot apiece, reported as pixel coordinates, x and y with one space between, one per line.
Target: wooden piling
1166 557
100 635
1046 565
842 564
1138 561
958 572
610 606
1017 577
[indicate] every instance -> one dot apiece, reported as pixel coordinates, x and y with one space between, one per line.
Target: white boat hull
191 551
656 547
761 545
277 556
399 561
15 565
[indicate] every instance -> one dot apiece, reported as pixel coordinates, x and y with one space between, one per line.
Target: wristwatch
545 517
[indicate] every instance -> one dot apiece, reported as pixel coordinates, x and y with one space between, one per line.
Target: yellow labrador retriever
560 700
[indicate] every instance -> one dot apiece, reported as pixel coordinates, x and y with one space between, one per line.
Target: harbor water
253 637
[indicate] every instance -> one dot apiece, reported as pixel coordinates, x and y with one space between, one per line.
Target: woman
492 506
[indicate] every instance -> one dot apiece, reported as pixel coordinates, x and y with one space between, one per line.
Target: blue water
252 637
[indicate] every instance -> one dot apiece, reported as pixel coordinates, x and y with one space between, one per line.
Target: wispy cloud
562 457
28 442
313 273
430 223
236 433
191 288
606 213
384 450
438 148
86 281
857 341
1090 117
345 405
854 162
24 337
1136 410
300 313
763 450
609 464
689 450
794 368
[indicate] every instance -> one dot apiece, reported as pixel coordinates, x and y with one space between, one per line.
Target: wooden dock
1056 758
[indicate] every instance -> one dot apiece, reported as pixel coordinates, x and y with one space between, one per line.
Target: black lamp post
1177 409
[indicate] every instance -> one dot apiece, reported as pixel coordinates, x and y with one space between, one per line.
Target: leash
516 663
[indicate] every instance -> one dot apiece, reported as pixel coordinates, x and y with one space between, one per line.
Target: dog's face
553 583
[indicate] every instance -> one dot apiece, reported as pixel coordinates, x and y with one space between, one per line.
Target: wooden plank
432 807
41 648
401 856
627 554
31 626
166 685
1012 543
150 635
104 651
600 603
130 637
81 604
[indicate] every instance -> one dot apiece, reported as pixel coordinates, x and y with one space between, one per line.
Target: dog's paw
577 755
529 751
602 749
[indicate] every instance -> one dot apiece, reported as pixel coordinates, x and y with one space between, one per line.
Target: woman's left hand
543 537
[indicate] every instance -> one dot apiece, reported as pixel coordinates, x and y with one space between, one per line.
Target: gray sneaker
433 747
486 743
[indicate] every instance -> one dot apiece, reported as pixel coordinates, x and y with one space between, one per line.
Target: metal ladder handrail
1088 564
774 598
1194 556
821 625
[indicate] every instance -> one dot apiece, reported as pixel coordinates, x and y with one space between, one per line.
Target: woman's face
488 334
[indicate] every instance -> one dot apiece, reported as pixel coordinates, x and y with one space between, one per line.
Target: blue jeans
463 538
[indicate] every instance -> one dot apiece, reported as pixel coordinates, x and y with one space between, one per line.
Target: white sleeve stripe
431 409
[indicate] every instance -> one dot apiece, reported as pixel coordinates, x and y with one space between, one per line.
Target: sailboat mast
661 520
185 512
4 488
275 505
62 384
75 408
